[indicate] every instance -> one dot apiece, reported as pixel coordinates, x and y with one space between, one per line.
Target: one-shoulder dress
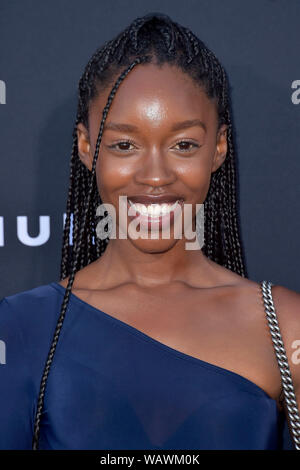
111 386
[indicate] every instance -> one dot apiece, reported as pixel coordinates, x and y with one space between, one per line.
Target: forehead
149 91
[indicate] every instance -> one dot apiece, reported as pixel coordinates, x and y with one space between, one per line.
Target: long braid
154 37
77 250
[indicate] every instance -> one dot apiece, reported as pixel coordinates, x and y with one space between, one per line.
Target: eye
123 146
186 146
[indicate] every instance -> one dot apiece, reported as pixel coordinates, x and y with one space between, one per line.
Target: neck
123 262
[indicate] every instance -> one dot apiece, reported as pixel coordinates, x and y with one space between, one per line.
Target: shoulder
27 301
30 314
27 324
287 307
287 302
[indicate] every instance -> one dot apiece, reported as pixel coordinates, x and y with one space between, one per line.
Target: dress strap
286 377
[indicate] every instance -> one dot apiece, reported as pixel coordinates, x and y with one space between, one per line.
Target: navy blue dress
111 386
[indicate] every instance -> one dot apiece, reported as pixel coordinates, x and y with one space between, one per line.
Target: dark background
44 47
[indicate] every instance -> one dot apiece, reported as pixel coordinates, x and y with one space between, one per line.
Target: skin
178 297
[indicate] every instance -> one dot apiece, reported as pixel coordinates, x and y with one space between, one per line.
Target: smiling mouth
154 211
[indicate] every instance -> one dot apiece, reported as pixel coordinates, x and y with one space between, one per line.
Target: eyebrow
189 123
115 126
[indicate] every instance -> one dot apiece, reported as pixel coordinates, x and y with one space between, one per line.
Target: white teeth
165 208
157 209
174 205
153 210
140 208
150 209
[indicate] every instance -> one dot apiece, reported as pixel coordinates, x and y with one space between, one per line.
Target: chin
154 246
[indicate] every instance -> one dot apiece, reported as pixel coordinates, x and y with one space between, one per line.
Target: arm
16 388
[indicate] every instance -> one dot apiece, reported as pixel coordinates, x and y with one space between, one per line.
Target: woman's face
160 139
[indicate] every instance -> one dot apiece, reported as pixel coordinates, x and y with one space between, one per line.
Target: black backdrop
44 47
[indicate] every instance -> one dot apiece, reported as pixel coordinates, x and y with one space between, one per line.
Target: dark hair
153 38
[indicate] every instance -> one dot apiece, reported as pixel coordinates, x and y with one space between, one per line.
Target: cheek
112 175
195 176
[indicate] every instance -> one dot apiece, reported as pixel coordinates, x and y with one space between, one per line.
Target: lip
155 199
156 222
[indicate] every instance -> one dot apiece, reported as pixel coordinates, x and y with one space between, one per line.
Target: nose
154 169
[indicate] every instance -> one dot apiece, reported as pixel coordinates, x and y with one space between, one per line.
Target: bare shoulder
287 308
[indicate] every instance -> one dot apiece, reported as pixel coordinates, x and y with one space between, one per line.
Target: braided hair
152 38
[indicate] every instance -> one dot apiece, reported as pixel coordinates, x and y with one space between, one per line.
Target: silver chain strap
286 378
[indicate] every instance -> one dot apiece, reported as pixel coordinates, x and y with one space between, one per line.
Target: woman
152 345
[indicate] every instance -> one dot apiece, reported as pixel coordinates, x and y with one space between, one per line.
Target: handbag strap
286 377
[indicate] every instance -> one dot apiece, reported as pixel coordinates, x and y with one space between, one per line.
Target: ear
84 146
221 148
